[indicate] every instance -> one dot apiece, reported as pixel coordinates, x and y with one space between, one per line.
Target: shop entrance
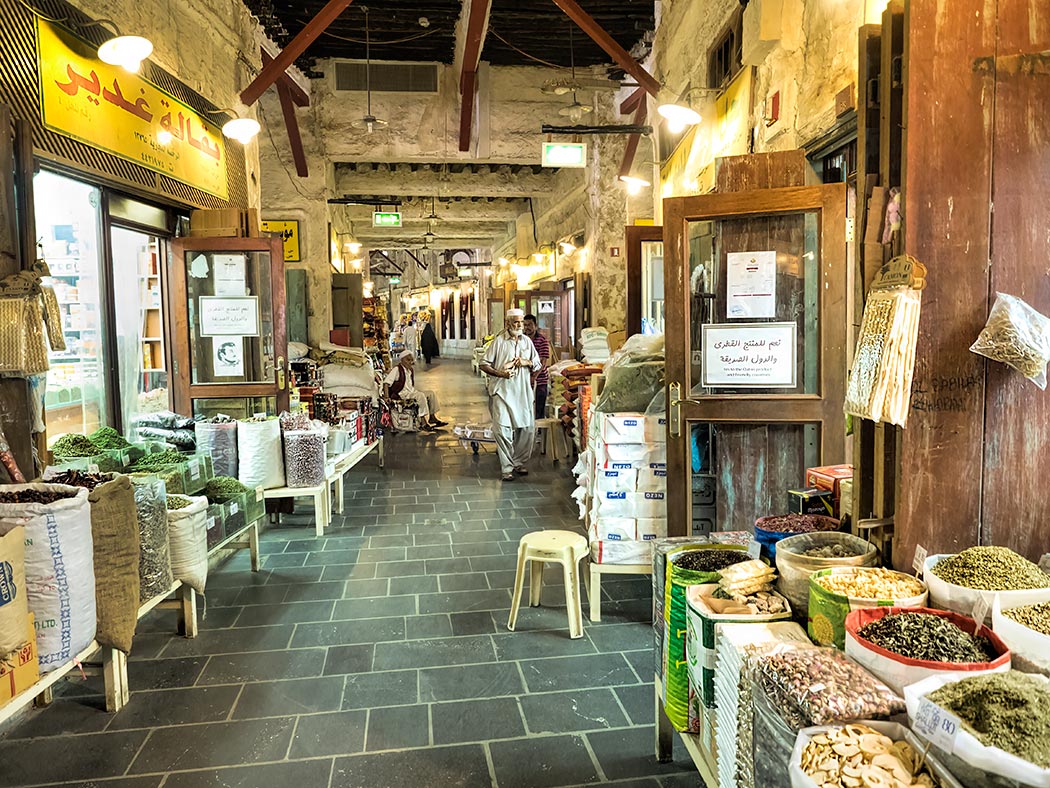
645 280
228 324
755 349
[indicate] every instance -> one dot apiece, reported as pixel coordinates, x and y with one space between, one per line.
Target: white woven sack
188 536
260 455
59 570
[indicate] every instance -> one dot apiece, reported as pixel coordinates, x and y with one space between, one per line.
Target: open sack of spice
1025 629
902 646
957 582
864 755
990 730
1017 335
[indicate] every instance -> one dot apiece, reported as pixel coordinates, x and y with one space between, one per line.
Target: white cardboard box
650 528
621 552
656 429
621 479
615 529
652 480
631 504
623 427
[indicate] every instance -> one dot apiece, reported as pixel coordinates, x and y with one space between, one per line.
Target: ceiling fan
369 122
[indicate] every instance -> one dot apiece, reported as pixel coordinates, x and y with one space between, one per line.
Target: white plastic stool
563 547
545 433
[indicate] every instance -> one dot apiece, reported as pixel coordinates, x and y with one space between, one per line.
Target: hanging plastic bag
1017 335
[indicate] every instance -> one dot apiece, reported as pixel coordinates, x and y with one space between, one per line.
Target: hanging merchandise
23 349
14 608
60 575
1017 335
218 437
188 536
155 575
259 455
879 386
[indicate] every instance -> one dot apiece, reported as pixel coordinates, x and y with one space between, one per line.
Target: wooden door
551 310
644 246
229 347
756 349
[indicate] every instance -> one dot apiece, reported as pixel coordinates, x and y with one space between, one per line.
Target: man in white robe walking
511 362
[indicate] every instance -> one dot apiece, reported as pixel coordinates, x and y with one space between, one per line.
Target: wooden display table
703 759
597 570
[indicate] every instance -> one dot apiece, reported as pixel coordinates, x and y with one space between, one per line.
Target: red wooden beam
295 48
630 104
620 55
475 36
295 140
632 142
299 96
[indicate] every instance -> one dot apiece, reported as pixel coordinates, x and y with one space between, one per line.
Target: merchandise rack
596 572
704 760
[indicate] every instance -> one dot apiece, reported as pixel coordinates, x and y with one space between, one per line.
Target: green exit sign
564 154
386 219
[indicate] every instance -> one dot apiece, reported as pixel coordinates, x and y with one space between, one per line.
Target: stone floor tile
629 753
233 641
338 733
449 767
578 710
531 644
320 591
346 633
374 607
176 707
443 566
463 601
359 589
289 697
65 716
552 761
435 625
566 673
401 568
476 720
639 703
477 623
299 774
165 673
420 584
462 582
429 551
398 727
215 744
288 613
147 781
262 666
66 758
473 681
349 659
621 637
433 653
383 688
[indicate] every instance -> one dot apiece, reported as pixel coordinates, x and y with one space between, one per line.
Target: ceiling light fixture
369 122
634 184
576 110
128 52
677 111
567 247
244 130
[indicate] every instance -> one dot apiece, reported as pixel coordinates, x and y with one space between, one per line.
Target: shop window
69 225
725 59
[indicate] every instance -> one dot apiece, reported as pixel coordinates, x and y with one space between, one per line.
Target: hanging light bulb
678 114
128 52
567 247
634 184
244 130
354 246
576 110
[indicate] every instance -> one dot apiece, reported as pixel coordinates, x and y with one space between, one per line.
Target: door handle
280 373
674 408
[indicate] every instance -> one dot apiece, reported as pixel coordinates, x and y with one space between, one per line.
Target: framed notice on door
760 355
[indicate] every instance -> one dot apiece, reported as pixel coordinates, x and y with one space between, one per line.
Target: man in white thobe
510 361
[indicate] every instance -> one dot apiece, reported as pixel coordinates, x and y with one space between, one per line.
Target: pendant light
369 122
128 52
576 110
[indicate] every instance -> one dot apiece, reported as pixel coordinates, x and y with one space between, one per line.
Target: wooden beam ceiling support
272 72
632 142
620 56
631 103
468 77
291 123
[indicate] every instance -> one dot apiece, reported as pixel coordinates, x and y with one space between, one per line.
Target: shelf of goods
757 700
622 487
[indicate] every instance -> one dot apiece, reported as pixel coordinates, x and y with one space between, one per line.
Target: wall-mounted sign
229 316
751 285
546 308
228 357
760 355
386 219
122 113
564 154
289 231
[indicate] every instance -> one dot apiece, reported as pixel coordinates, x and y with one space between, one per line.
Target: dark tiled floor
378 655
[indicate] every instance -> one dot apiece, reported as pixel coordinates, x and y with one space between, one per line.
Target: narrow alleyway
378 655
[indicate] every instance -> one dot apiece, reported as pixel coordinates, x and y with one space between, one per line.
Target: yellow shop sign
119 112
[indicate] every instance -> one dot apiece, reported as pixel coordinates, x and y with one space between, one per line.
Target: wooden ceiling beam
291 123
620 56
272 72
477 21
632 142
632 102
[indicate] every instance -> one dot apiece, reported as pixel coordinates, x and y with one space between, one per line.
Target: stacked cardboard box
20 669
627 507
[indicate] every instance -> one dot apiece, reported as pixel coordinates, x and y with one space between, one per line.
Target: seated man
400 384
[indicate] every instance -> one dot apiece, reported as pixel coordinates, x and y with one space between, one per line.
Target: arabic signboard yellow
119 112
289 231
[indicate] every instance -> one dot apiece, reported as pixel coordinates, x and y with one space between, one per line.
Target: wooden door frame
636 236
180 319
825 407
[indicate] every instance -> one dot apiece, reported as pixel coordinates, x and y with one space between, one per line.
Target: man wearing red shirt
543 350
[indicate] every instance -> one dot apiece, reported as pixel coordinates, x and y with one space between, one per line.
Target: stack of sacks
297 351
350 381
629 485
567 378
595 342
340 354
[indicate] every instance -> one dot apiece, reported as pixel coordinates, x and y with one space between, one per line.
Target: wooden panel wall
977 444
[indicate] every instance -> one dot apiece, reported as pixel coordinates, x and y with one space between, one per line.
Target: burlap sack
115 533
14 609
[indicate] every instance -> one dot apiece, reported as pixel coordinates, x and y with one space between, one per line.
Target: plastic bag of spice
155 577
796 562
220 441
304 458
898 666
1010 709
59 569
833 593
1017 335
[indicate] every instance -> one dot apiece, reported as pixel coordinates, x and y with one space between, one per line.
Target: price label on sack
980 609
258 494
92 468
234 508
194 467
934 723
754 549
919 561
